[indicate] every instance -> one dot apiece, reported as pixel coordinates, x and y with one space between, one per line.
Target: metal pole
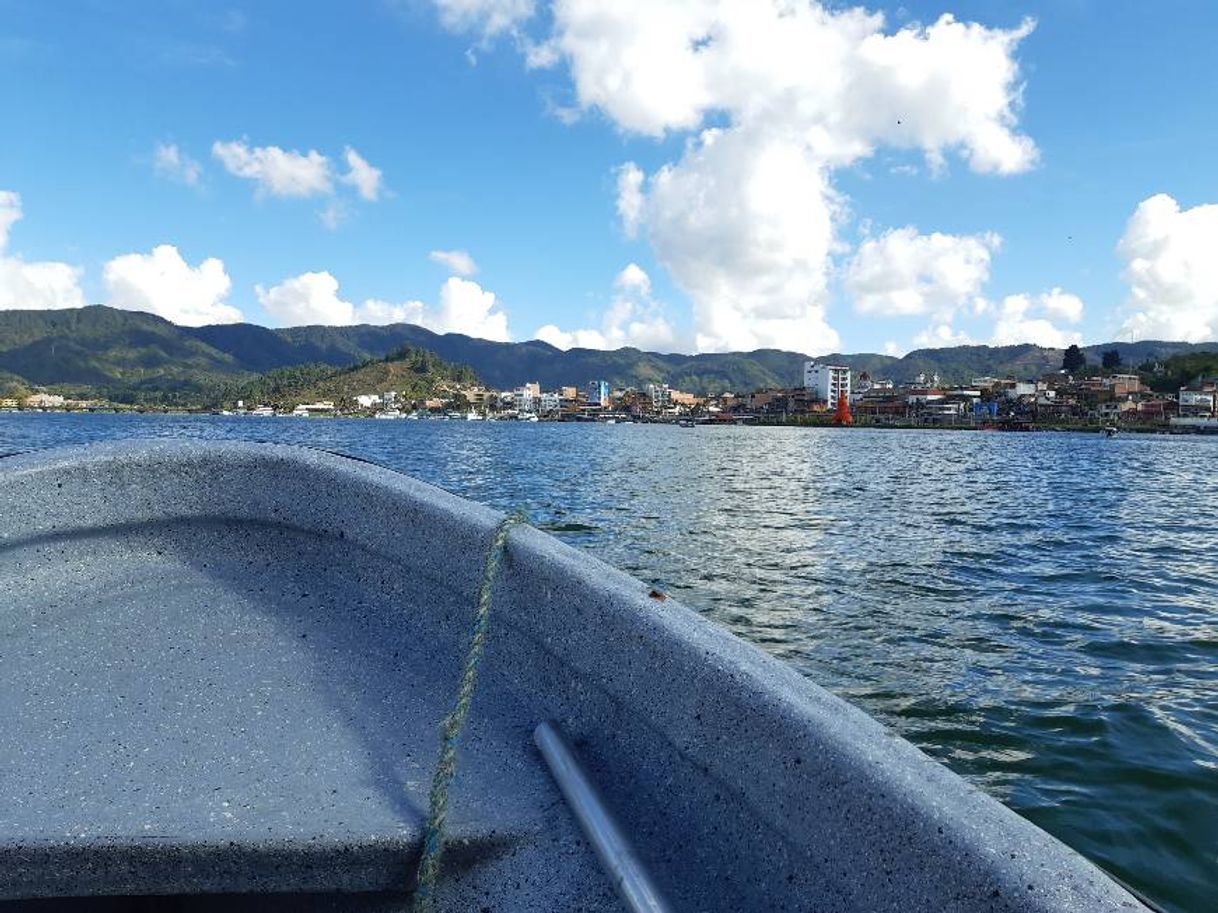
616 855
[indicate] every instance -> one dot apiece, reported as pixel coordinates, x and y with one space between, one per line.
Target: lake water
1038 611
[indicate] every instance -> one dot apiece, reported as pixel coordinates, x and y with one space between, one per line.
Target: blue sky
501 128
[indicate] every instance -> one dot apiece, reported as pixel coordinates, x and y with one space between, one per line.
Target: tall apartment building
598 393
525 398
827 382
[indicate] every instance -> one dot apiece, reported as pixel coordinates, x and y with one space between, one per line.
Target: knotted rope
454 723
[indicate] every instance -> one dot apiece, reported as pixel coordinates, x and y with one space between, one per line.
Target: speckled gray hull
224 665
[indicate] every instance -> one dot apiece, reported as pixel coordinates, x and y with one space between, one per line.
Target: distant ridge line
110 349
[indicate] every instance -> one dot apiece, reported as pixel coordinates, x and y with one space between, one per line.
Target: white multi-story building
827 382
549 403
1196 402
525 398
660 395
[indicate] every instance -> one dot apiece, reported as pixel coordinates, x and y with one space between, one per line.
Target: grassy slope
413 373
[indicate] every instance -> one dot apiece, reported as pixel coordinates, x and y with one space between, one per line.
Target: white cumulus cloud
773 96
163 283
457 261
277 172
362 176
39 285
633 318
1025 318
941 335
744 223
306 300
1171 267
313 298
834 75
463 307
903 273
380 313
1062 305
36 285
169 161
633 278
630 197
466 307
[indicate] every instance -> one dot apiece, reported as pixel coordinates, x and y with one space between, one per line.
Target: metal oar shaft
612 849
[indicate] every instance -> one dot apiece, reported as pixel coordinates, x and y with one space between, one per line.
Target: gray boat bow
224 665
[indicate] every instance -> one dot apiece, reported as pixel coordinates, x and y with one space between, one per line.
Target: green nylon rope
454 723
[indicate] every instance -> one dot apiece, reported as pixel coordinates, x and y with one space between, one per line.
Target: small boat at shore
225 666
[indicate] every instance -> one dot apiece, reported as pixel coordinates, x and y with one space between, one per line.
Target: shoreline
1026 428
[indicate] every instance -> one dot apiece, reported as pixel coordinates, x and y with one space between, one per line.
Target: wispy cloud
189 54
286 173
276 172
169 161
362 176
457 261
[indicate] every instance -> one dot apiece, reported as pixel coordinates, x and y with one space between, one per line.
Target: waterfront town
829 394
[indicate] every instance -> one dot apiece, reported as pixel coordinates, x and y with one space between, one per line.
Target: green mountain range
134 357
